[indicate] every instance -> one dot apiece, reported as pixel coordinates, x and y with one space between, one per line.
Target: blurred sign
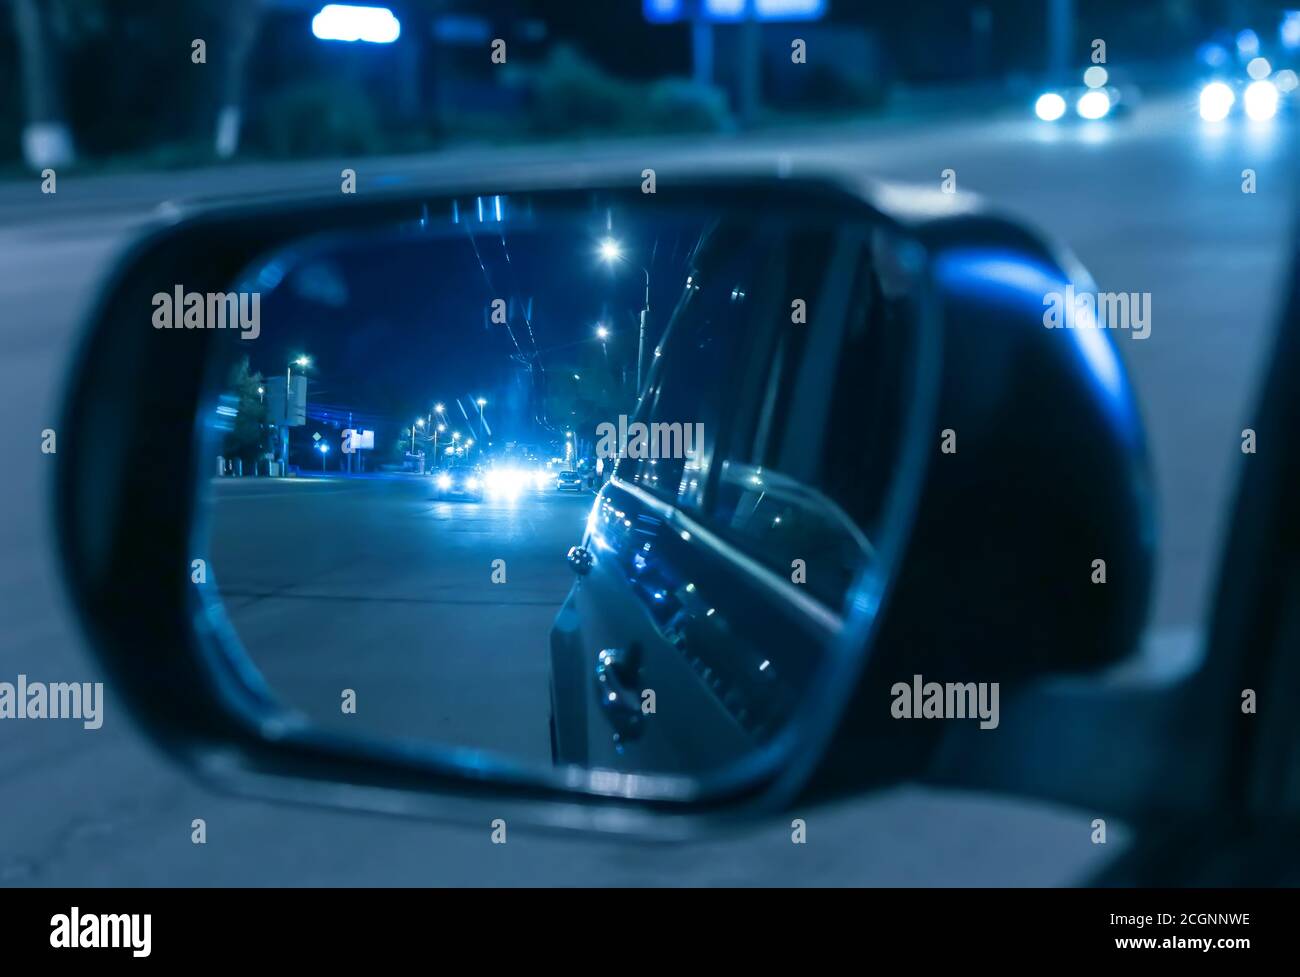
731 11
462 29
354 441
297 415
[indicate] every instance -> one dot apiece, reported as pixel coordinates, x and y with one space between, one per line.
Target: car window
727 299
803 494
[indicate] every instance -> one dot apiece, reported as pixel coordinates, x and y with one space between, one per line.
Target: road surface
377 586
1153 203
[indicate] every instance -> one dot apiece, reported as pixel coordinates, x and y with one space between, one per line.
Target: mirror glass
575 480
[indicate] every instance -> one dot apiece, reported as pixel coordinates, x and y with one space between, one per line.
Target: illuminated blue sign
731 11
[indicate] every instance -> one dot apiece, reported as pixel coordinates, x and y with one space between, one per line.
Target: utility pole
1060 39
701 50
751 64
640 341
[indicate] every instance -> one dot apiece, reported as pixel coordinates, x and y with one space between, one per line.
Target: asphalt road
376 585
1152 203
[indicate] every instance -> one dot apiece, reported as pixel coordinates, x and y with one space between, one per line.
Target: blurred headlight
1260 100
444 481
1049 107
471 483
1093 104
1216 101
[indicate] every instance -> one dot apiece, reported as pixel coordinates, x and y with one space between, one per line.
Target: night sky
398 319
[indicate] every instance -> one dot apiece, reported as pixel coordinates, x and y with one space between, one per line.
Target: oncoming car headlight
1216 101
1260 100
1093 104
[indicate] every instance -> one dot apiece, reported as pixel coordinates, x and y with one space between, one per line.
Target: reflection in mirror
442 511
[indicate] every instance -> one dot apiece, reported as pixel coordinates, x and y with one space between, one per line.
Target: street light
438 429
304 362
611 251
481 425
419 422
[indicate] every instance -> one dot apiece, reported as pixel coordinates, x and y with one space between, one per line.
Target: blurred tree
582 393
249 438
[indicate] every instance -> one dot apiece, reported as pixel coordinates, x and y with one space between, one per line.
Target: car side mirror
313 520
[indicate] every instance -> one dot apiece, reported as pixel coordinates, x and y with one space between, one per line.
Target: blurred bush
569 94
680 105
830 89
316 118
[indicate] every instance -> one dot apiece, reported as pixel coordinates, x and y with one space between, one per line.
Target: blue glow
1212 55
271 275
1011 278
662 11
731 11
345 22
1289 32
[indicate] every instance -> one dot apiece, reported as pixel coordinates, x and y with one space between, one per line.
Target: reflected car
568 482
459 483
684 583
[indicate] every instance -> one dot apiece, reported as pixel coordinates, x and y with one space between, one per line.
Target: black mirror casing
1050 473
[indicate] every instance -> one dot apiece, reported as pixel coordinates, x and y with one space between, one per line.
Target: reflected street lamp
611 251
300 361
